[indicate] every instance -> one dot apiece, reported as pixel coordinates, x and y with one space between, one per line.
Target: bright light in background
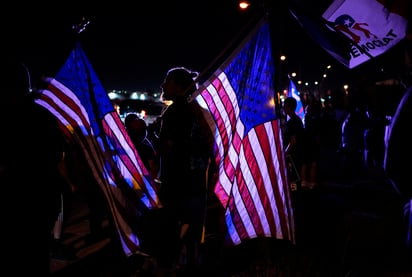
293 74
346 89
272 102
117 108
134 95
112 95
244 5
283 57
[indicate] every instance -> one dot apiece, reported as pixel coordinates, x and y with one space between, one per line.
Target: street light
244 5
346 89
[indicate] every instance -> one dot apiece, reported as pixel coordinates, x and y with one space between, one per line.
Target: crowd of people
178 165
179 160
358 135
370 144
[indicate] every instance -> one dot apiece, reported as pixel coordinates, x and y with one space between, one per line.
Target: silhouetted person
311 145
293 137
374 142
31 147
137 130
59 250
352 144
398 162
185 156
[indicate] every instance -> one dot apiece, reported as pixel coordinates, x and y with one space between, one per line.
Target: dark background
131 46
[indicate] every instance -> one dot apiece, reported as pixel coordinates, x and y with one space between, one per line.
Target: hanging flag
372 27
80 103
238 105
293 92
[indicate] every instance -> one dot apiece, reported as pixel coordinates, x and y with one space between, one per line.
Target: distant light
142 113
272 102
324 75
244 5
283 57
293 74
134 95
117 108
112 95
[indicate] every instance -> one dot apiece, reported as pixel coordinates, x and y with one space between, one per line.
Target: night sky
134 46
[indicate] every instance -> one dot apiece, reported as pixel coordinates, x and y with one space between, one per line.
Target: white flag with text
369 24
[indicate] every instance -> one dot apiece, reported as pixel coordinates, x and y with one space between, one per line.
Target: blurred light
293 74
142 113
134 95
283 57
244 5
272 102
112 95
117 108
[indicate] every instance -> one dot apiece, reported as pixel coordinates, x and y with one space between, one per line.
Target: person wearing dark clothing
352 144
374 142
311 145
398 162
185 157
293 137
137 129
59 250
31 147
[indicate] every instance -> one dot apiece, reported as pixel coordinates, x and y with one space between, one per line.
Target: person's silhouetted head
179 82
15 80
289 105
136 126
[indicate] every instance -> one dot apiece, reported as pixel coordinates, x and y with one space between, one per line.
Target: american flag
237 102
293 92
80 103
